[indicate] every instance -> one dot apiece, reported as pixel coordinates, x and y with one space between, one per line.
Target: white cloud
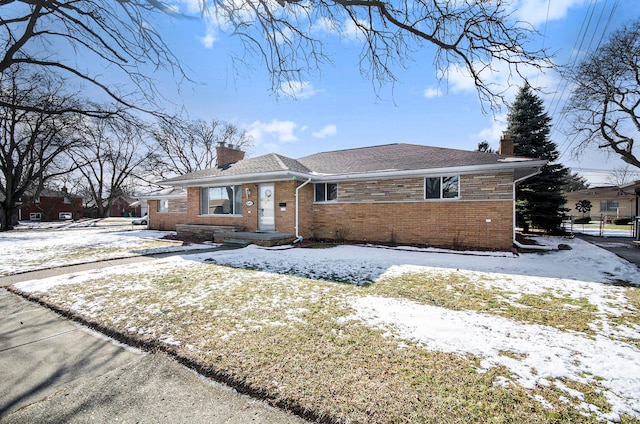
299 89
327 131
208 40
537 12
493 133
432 92
281 131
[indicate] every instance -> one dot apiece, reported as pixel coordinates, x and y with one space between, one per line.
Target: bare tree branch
604 107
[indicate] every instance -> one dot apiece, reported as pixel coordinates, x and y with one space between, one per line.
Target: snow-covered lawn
405 334
39 246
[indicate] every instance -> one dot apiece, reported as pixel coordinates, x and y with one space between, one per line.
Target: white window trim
441 198
161 209
325 193
236 213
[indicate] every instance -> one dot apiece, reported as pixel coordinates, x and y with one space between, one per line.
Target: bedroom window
326 192
442 187
224 200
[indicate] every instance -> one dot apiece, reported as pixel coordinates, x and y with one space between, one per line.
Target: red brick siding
284 192
50 207
448 224
364 212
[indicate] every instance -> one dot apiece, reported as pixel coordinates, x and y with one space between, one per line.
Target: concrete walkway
56 371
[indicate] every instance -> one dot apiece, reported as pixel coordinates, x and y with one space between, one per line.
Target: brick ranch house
395 193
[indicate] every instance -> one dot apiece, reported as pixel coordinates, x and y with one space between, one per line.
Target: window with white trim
223 200
163 205
326 192
442 187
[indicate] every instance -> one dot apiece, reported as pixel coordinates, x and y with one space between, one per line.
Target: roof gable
271 162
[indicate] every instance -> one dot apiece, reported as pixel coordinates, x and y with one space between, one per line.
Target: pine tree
539 200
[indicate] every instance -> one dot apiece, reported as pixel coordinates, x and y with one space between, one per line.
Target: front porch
229 234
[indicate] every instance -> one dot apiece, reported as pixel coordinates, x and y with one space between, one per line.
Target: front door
266 208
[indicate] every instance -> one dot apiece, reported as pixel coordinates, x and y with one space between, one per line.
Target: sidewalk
54 370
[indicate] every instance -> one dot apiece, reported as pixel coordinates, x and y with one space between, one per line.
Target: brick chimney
506 144
227 154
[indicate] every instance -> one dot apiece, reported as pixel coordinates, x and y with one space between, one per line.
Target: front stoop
242 238
204 232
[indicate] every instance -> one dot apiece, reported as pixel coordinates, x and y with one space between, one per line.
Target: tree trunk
7 216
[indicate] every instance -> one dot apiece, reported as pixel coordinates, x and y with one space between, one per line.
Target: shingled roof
394 157
384 158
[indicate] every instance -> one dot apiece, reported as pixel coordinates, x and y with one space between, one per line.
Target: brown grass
290 340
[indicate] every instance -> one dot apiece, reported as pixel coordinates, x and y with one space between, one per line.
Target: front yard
29 250
372 335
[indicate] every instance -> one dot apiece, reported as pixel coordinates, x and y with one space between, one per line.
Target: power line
589 25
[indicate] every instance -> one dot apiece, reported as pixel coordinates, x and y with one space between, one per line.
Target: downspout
515 183
298 237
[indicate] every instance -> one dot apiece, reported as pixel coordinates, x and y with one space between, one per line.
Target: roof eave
533 165
257 177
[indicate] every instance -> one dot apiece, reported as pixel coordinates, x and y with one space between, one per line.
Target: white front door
266 208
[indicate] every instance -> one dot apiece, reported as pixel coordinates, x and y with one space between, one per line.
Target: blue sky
338 108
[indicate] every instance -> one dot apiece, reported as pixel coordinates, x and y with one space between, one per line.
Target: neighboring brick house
122 205
611 201
51 205
395 193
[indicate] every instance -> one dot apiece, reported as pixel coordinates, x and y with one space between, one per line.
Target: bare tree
622 175
187 146
113 152
33 136
468 35
604 107
115 34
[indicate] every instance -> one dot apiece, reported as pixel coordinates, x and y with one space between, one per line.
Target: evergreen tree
575 182
539 200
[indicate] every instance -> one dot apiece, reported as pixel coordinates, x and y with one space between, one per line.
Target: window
65 215
35 216
163 205
225 200
442 187
609 206
326 192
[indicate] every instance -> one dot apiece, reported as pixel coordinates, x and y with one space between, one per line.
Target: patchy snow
537 355
365 264
542 354
40 247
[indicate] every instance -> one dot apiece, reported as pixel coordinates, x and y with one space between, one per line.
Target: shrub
582 220
622 221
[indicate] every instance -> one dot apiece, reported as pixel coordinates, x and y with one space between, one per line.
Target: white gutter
298 238
360 176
